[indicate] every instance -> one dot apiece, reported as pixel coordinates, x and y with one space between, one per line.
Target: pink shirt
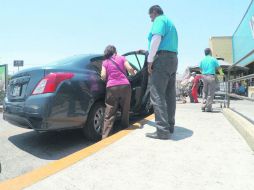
114 76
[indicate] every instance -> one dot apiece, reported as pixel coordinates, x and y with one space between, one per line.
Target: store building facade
221 47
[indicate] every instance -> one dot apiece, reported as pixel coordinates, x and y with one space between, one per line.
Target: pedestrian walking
200 87
162 67
194 89
118 90
208 67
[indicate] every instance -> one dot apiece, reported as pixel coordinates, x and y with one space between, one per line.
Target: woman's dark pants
115 96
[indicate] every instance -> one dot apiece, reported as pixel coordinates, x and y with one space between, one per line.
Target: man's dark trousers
163 91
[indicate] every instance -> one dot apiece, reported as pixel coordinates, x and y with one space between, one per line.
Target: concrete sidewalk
205 152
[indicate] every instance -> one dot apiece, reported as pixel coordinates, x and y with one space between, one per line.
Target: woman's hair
109 51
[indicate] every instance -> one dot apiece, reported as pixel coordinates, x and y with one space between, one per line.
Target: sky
43 31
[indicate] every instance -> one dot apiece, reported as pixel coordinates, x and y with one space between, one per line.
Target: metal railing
244 83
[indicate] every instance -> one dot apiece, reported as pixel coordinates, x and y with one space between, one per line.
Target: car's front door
139 81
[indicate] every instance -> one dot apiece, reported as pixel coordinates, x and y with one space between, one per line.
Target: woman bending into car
118 90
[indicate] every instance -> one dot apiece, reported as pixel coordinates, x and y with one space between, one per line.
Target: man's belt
160 52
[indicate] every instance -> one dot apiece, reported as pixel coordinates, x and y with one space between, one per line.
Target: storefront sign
18 63
3 77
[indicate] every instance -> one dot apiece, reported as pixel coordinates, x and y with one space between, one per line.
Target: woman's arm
103 73
129 68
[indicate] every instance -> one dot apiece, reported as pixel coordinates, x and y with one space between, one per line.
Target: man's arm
220 71
218 67
155 43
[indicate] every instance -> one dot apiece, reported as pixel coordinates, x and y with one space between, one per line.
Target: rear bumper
41 114
27 114
17 120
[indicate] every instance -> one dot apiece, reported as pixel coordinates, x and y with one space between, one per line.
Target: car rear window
96 63
73 60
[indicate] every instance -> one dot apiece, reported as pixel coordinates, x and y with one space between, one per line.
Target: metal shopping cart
221 90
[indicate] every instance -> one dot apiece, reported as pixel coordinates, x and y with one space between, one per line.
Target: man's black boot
155 135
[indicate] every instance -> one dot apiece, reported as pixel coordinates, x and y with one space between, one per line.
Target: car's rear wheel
93 127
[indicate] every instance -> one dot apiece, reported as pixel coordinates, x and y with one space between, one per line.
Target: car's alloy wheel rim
98 120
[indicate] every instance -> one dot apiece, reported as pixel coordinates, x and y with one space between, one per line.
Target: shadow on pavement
51 145
55 145
214 111
180 133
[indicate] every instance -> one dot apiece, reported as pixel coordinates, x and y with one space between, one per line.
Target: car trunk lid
22 84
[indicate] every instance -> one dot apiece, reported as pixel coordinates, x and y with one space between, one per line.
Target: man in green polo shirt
162 66
208 67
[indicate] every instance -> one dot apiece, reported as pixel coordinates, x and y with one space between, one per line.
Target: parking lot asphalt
23 150
205 152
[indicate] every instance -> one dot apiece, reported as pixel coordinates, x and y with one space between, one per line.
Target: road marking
43 172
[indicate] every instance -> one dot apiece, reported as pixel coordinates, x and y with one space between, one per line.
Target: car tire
93 127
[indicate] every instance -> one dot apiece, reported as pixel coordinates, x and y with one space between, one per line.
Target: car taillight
50 82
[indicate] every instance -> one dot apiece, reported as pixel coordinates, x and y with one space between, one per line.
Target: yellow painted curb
243 126
43 172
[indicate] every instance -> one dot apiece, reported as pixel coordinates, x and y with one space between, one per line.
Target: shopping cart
221 91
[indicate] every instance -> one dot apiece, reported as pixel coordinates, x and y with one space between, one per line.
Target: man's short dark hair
109 51
157 9
208 51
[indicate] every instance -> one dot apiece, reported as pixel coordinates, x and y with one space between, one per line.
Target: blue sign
243 38
252 25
